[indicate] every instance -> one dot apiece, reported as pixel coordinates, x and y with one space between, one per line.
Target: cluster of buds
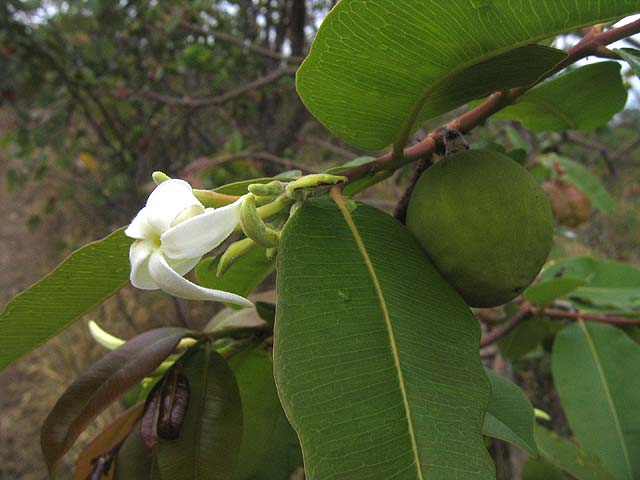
175 230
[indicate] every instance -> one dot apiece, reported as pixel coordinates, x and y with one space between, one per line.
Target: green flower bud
233 253
254 227
271 189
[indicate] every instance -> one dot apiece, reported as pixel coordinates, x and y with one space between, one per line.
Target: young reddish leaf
100 385
115 433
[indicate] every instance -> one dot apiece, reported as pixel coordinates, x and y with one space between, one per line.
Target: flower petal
139 254
139 227
201 234
167 201
174 284
183 266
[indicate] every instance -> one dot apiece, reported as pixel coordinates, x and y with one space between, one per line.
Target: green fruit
484 222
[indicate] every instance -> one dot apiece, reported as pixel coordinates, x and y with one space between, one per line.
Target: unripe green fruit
484 222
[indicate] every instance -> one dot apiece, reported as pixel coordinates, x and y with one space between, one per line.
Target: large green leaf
85 279
376 356
510 415
568 456
582 99
100 385
539 469
595 372
376 66
584 180
270 449
207 447
613 287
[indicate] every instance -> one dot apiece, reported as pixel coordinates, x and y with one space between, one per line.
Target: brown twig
611 319
469 120
527 311
191 102
497 333
225 37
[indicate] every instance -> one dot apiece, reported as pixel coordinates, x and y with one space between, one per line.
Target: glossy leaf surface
376 356
593 367
82 281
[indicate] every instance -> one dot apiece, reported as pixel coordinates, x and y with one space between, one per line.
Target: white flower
173 232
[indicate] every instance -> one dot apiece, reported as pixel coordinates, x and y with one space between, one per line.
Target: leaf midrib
387 319
607 392
431 89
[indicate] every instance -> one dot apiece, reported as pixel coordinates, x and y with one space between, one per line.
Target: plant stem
591 44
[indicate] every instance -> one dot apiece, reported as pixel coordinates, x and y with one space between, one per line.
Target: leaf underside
376 357
510 414
374 64
595 372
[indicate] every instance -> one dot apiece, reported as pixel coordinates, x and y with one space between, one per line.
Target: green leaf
375 65
594 369
85 279
581 99
104 382
376 356
584 180
516 139
568 456
243 277
538 469
544 293
270 449
510 415
612 299
632 56
210 436
524 338
613 287
389 106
